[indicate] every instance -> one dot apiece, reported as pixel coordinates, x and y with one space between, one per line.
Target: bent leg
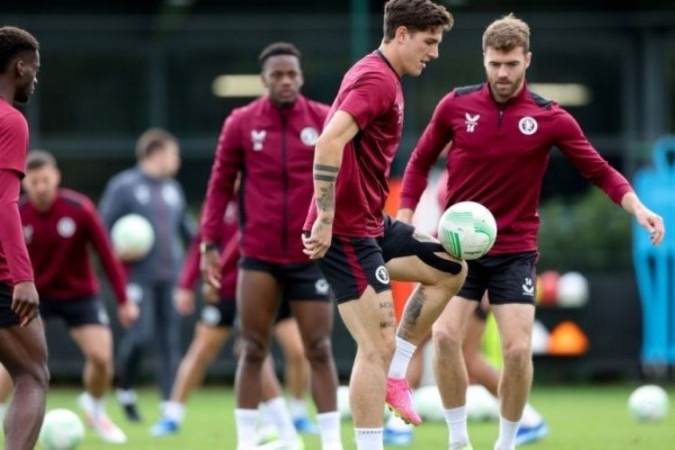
23 352
95 342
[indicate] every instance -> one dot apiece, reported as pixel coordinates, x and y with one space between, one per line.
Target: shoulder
542 102
13 122
125 178
316 108
75 199
464 91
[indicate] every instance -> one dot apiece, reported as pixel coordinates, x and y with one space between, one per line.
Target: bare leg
296 368
23 351
95 341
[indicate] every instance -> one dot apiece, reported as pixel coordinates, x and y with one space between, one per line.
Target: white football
648 403
481 405
428 403
62 429
132 235
467 230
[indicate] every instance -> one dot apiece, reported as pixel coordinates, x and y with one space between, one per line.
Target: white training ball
572 290
428 403
467 230
61 429
648 403
132 235
481 405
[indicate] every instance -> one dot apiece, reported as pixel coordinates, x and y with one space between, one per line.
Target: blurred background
111 69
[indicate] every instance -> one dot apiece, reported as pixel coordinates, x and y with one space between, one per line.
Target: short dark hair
416 15
151 141
276 49
38 159
13 42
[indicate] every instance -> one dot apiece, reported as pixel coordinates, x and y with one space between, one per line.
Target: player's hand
127 313
211 267
652 222
209 293
25 302
184 301
405 215
318 242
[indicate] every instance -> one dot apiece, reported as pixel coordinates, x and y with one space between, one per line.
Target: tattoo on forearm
413 310
326 199
321 177
325 168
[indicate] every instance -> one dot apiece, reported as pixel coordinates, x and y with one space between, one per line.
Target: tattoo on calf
413 310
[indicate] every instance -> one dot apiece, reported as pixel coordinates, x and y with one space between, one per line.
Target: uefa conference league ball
648 403
467 230
132 235
61 429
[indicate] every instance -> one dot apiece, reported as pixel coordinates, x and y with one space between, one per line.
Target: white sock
531 416
395 423
126 396
402 355
246 420
329 429
174 411
92 405
281 418
456 419
507 434
369 439
297 407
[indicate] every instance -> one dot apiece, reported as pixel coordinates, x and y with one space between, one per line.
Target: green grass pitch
590 417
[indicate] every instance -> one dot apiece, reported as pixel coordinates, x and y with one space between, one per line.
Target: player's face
27 69
282 77
418 49
506 71
41 185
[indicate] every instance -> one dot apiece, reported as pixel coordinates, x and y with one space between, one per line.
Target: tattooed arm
327 160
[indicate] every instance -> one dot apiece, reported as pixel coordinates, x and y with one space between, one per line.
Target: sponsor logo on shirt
382 275
170 195
528 125
258 138
309 135
471 122
28 233
65 227
528 287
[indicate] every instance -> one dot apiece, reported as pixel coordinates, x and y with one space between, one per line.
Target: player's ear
401 33
18 66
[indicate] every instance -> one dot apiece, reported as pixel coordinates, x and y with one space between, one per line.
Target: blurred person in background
23 349
217 320
271 141
150 190
60 227
502 134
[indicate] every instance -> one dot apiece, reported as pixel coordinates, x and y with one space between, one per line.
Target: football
648 403
132 237
467 230
428 403
62 429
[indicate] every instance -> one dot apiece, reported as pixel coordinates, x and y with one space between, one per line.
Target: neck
148 168
388 51
6 92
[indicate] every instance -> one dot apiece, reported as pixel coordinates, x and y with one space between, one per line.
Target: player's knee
445 340
319 351
517 354
254 349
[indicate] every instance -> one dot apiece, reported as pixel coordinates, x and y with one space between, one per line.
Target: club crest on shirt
28 233
471 122
258 139
142 194
309 135
170 195
65 227
528 126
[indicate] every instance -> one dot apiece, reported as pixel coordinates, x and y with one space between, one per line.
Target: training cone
567 339
548 284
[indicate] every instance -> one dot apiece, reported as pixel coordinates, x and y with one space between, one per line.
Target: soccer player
357 246
60 226
271 141
149 189
217 319
23 349
502 134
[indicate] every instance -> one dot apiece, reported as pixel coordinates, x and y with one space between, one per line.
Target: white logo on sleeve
527 125
471 122
528 287
65 227
309 135
382 275
258 139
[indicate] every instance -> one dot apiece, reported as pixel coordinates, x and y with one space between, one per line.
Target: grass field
579 417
